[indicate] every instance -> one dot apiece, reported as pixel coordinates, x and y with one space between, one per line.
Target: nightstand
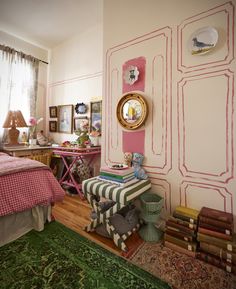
38 153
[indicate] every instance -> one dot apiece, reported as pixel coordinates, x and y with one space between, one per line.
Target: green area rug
61 258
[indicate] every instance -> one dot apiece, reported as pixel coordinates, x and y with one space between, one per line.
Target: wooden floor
74 213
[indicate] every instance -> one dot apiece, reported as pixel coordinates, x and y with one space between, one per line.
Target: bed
28 189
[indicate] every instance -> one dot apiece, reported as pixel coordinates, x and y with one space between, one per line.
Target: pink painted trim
228 174
115 74
227 8
220 190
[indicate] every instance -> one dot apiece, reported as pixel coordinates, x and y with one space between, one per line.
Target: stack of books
123 178
217 241
181 231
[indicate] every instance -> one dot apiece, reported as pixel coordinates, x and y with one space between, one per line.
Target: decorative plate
118 166
203 40
80 108
131 74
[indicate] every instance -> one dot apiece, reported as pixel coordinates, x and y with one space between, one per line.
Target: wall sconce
13 120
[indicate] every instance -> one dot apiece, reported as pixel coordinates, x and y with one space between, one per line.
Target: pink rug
179 270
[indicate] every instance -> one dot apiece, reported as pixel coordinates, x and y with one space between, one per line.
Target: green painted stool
151 206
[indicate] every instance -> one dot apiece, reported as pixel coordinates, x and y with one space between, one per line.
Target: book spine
179 228
183 223
115 179
181 250
190 246
224 244
191 213
217 215
180 235
116 176
216 223
184 218
215 228
219 252
213 260
214 234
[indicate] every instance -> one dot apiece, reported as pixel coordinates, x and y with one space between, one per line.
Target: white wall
190 129
76 73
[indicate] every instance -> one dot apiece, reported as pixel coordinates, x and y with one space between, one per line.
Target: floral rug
179 270
58 258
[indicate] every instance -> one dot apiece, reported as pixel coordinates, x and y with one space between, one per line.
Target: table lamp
13 120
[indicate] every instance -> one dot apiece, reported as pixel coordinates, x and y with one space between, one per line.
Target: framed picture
52 126
96 116
53 111
78 121
65 118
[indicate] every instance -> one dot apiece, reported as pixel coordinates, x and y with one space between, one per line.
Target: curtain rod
17 51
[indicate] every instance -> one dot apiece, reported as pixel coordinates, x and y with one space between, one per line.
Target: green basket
151 203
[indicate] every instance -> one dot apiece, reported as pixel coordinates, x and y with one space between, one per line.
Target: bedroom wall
40 53
76 73
189 143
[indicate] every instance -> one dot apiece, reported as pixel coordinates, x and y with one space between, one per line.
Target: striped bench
94 189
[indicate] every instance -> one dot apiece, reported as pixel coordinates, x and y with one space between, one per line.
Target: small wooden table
76 154
95 188
38 153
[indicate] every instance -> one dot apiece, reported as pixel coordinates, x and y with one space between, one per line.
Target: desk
77 154
38 153
94 188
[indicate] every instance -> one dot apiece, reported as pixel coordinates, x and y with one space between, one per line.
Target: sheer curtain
18 84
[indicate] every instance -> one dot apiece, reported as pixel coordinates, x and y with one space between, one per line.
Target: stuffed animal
137 161
128 158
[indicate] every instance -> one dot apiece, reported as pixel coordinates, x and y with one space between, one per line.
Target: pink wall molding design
133 141
188 188
164 190
227 12
140 63
186 171
160 156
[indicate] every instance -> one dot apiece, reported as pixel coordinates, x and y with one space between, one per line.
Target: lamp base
13 135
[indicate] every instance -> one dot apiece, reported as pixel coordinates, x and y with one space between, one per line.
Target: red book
214 234
179 228
216 223
215 228
183 223
179 249
217 215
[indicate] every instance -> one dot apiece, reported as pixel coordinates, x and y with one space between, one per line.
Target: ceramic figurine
128 158
41 139
137 161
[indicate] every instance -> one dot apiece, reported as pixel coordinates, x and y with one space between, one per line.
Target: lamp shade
13 120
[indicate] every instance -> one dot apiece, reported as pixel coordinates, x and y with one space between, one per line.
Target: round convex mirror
131 111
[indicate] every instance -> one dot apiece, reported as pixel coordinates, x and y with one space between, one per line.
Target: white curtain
18 84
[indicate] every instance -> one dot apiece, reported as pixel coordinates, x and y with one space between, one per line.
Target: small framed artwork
53 126
96 116
53 111
65 118
78 121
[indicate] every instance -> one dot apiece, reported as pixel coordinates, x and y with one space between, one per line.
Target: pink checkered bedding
23 190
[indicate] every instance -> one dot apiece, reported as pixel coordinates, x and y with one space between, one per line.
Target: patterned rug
60 258
179 270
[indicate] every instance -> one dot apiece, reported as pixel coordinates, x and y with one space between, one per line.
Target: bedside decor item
131 75
82 133
131 111
65 118
128 158
203 40
53 111
13 120
137 161
80 108
151 206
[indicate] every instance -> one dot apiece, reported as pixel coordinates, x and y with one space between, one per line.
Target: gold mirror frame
131 111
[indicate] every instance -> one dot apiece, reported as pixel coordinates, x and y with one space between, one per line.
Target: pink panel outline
226 8
223 177
224 193
115 71
167 189
109 53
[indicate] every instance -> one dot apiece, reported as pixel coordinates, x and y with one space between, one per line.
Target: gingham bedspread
23 190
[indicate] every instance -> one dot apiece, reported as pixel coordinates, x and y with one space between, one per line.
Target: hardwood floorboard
74 213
